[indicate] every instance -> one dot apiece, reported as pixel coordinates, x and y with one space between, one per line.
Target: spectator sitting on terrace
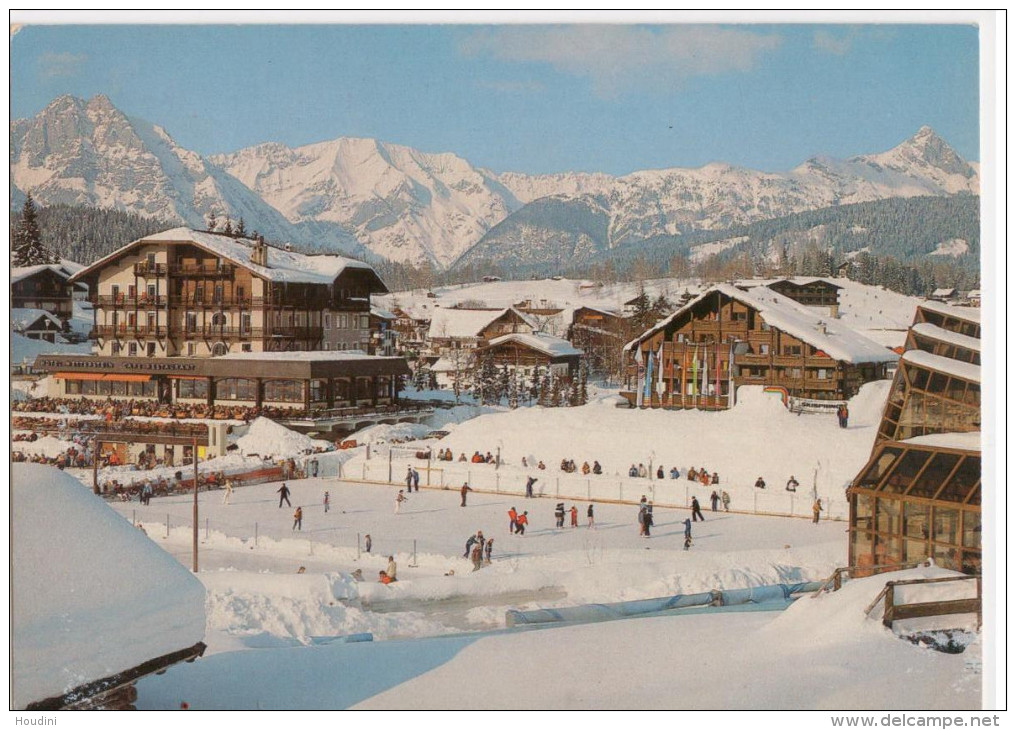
692 474
541 466
675 472
597 469
585 467
477 458
462 456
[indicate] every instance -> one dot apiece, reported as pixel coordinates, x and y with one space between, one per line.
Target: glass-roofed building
919 495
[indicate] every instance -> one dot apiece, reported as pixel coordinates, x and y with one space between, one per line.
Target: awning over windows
120 377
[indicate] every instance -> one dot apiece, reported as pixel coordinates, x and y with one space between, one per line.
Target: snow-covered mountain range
360 195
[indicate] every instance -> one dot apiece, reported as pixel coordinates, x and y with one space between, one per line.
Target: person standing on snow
687 528
298 519
283 495
477 556
792 484
416 480
328 502
696 511
520 523
366 543
488 550
399 499
725 498
816 510
574 516
465 488
529 486
512 517
589 516
559 514
409 479
473 539
227 495
714 500
391 569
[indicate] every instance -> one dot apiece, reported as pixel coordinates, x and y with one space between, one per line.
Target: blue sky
536 99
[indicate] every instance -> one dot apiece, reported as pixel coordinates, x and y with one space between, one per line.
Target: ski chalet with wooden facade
196 317
919 495
727 337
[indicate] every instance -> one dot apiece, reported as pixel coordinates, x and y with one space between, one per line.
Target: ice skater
328 502
283 495
696 511
298 519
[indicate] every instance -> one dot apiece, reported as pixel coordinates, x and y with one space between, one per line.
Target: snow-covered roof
26 349
969 441
974 294
283 266
23 272
827 334
945 292
444 365
382 313
927 329
601 310
22 318
962 370
795 280
91 595
465 323
967 314
547 344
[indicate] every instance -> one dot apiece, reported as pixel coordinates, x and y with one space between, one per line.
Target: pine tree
241 229
555 392
583 383
228 228
212 220
27 249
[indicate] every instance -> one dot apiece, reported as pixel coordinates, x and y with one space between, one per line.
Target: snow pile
91 595
47 446
265 437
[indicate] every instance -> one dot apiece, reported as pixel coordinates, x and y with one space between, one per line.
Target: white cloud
52 65
617 56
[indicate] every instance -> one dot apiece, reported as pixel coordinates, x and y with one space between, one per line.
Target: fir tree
228 228
212 220
241 229
27 249
583 383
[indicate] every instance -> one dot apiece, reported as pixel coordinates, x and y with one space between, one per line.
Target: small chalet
46 287
945 294
524 353
411 325
470 328
599 333
811 291
36 324
383 335
728 337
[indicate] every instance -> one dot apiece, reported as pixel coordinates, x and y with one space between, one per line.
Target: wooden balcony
125 332
122 301
218 303
146 269
220 271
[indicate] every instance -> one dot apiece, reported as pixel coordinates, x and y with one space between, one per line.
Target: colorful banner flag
639 387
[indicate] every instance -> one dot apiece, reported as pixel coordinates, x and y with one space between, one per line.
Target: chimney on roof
259 255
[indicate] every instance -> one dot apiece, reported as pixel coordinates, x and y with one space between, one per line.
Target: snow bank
265 437
47 446
91 595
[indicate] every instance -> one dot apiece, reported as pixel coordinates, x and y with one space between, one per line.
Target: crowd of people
119 409
74 456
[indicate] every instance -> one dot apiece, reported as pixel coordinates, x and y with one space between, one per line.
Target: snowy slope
92 596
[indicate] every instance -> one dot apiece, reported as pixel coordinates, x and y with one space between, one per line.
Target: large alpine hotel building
195 316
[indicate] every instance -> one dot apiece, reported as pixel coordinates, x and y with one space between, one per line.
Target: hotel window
199 292
342 322
239 293
364 321
190 349
245 347
131 291
151 291
289 391
115 348
192 389
190 321
132 349
236 389
328 321
218 294
151 259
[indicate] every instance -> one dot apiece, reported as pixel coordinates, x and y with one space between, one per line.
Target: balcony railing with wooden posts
123 301
125 331
144 268
218 270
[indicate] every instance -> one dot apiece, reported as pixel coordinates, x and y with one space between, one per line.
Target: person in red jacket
465 488
520 523
574 516
383 577
512 517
